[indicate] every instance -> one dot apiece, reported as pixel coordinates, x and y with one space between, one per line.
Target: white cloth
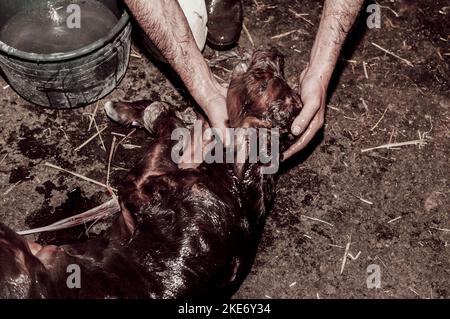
197 17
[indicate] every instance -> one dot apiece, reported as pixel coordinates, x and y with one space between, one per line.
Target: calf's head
260 97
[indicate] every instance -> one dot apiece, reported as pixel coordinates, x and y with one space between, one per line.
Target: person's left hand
215 107
313 92
214 104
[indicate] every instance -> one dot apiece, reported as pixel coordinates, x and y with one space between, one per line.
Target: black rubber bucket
69 68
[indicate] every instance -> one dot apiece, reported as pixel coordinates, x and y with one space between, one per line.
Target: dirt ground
389 207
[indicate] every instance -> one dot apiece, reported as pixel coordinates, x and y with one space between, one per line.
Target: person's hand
215 107
166 25
214 104
313 92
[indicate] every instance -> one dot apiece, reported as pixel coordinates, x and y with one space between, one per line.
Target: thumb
311 105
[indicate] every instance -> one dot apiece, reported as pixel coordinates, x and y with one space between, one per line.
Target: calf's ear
127 113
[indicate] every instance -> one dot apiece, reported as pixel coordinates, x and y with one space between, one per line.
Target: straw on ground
90 180
90 139
318 220
247 33
420 142
393 54
344 259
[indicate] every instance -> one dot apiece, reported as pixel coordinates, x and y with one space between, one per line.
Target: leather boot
225 19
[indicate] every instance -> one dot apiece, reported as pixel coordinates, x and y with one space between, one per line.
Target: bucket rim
62 56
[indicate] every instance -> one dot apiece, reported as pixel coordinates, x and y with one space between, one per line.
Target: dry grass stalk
301 16
318 220
92 116
100 135
344 259
393 54
379 121
247 33
111 152
9 190
441 229
394 219
285 34
365 69
90 139
90 180
420 142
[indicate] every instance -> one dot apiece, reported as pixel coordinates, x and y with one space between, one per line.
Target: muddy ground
390 205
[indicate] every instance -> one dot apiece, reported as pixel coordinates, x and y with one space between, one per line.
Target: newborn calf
182 233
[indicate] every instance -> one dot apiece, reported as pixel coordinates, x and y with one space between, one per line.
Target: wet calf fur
182 233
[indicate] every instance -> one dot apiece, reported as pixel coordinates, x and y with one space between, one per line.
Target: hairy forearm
165 24
337 19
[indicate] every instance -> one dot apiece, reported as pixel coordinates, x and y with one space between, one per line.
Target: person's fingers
193 155
313 94
217 114
307 136
220 89
303 74
221 130
311 105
